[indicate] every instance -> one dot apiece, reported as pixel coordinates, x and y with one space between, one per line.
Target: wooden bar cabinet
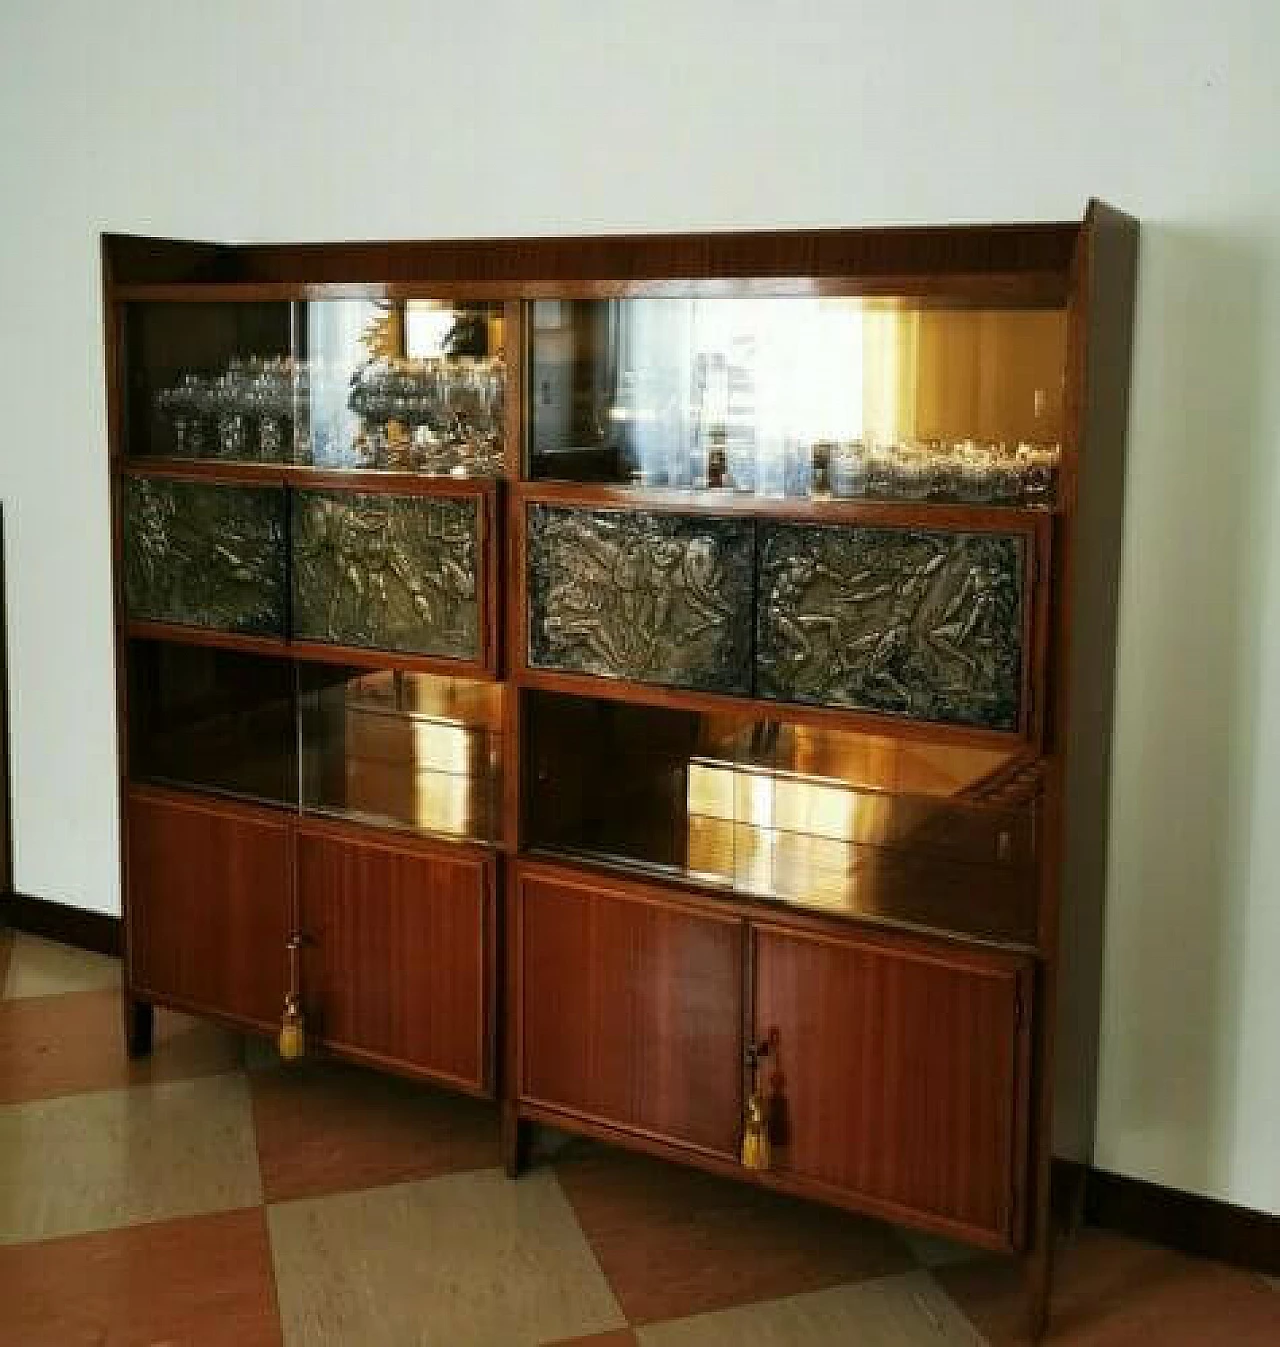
659 683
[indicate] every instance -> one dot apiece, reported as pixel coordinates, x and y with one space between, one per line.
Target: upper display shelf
401 386
798 396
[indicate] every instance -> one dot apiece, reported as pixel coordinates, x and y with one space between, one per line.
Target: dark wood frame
1087 267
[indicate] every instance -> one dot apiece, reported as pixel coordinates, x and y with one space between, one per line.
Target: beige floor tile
903 1311
466 1260
42 968
120 1157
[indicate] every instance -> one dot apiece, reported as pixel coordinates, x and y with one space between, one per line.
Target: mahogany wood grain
922 254
630 1009
396 942
1078 692
900 1078
208 904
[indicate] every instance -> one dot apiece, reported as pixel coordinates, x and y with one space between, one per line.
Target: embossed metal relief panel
391 572
910 622
632 594
205 555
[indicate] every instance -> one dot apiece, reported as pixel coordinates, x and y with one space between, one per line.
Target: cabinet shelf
303 475
312 652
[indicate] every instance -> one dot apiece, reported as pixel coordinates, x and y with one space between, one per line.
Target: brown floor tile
201 1281
674 1242
324 1128
1114 1292
71 1044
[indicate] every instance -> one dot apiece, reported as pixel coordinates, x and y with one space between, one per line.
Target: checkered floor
212 1196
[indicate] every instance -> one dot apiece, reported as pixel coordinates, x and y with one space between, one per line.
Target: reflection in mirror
800 396
936 835
407 750
410 386
210 719
413 386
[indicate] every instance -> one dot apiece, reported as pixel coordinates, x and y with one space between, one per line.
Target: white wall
292 119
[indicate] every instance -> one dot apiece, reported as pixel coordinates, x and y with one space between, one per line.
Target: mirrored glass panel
405 750
209 381
910 832
798 396
406 386
410 386
218 720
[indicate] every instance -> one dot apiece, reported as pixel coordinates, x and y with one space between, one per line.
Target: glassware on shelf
441 415
800 396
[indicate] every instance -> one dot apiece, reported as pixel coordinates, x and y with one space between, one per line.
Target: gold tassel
293 1037
755 1134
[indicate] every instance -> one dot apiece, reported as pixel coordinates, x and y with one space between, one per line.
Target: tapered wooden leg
1038 1276
516 1135
139 1027
1068 1198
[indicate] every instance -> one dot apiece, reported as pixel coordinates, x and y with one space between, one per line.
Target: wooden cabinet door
208 904
902 1076
630 1009
397 951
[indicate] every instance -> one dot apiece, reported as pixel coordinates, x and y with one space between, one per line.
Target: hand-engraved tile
472 1260
658 598
908 622
205 555
390 572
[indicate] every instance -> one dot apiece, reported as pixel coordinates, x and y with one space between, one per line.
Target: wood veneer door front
630 1010
397 951
902 1076
209 902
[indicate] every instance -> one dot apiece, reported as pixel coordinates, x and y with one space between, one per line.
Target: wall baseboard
94 931
1201 1226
